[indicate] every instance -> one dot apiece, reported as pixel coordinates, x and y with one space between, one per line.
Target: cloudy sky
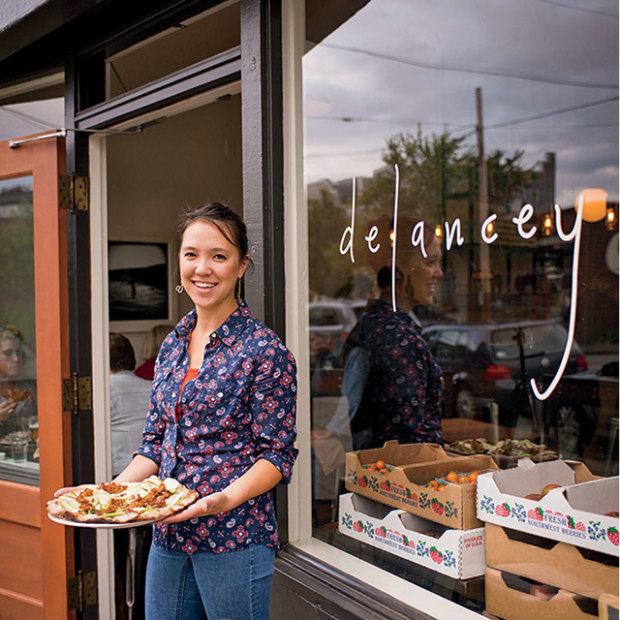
548 71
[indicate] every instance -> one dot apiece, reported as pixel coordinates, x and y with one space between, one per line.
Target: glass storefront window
461 166
19 437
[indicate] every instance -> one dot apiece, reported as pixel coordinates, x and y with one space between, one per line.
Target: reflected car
330 324
482 364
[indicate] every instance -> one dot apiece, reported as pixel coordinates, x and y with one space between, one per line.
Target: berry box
456 553
581 511
404 483
515 598
583 571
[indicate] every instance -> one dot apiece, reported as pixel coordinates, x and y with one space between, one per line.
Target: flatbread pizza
17 395
122 502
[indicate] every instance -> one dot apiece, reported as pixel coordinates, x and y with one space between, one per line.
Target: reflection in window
449 119
19 436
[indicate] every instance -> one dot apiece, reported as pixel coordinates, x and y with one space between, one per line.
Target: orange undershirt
190 375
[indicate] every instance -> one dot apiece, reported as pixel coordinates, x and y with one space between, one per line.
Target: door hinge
73 193
77 394
82 590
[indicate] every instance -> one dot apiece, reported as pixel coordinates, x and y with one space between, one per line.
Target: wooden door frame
44 160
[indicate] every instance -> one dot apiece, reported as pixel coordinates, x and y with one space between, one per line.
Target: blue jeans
234 585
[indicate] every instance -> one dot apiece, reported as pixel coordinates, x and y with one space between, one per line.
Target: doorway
184 156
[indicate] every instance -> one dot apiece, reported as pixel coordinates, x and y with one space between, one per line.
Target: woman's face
11 357
209 267
424 274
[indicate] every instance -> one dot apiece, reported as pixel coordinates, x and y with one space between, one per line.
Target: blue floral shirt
398 382
239 408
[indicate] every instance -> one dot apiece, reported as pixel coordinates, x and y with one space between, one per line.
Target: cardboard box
608 607
573 513
405 486
559 564
456 553
508 597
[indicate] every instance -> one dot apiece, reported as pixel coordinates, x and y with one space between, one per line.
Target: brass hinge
73 192
77 394
82 590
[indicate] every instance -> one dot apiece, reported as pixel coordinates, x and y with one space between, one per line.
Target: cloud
395 65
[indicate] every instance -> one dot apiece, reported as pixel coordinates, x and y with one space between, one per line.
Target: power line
348 119
551 113
456 68
579 8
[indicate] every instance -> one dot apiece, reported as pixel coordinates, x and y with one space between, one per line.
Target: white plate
105 526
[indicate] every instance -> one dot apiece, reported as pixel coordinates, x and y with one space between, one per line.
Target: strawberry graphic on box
612 534
437 506
502 510
580 527
362 482
570 522
358 527
381 531
535 513
385 485
414 497
436 555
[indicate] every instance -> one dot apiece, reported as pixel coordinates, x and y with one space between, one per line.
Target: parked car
581 417
330 324
481 364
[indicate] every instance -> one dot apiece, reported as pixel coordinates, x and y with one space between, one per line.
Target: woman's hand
64 490
7 407
208 505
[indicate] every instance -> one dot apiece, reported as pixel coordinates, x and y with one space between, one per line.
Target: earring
179 288
238 291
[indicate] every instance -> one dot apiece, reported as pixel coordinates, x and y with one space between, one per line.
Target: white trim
101 359
403 591
296 261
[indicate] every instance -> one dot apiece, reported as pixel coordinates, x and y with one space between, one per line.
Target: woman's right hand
7 407
64 490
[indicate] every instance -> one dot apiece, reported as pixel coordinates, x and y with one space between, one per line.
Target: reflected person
390 373
17 388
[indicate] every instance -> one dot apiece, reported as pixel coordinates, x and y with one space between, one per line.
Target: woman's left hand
209 505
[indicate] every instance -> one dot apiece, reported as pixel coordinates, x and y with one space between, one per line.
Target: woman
221 421
390 373
17 391
153 341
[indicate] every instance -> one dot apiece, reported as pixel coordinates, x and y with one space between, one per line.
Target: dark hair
384 277
223 218
122 356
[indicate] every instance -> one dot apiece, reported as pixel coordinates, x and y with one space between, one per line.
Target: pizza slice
17 395
122 502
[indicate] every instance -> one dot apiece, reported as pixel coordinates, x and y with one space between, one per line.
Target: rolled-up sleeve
273 400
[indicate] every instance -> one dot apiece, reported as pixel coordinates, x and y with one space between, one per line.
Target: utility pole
483 210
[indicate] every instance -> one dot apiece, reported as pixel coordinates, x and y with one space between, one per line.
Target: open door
36 555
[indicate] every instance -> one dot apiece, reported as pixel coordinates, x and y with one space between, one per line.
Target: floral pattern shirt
403 385
239 408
